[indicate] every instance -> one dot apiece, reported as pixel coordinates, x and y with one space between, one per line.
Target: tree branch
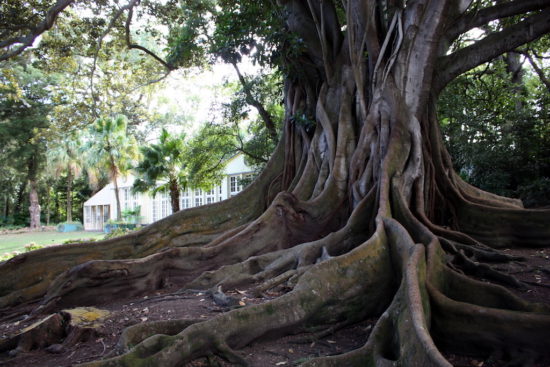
27 40
266 116
117 15
139 47
491 46
484 16
537 69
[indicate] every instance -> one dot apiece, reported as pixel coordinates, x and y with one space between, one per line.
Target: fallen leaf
331 341
242 303
280 363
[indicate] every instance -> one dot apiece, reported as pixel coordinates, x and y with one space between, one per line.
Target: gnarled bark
369 221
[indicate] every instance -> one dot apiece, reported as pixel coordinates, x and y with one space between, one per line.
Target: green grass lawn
17 241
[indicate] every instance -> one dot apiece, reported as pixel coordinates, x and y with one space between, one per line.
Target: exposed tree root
33 273
284 224
364 217
57 331
504 227
314 300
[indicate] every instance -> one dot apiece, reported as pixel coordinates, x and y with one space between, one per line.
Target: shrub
79 240
536 194
116 232
32 246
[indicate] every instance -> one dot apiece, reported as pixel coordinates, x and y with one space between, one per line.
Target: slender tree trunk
20 197
56 208
69 194
114 175
174 195
6 206
117 197
34 205
48 209
34 208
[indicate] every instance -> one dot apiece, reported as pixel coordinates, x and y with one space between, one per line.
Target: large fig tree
361 175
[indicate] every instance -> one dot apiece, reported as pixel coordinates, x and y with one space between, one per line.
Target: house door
106 215
98 218
93 217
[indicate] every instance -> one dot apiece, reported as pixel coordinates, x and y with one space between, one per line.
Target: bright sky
197 94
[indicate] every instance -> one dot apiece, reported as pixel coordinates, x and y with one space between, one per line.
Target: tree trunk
34 207
69 194
6 206
117 197
48 210
174 195
361 217
20 197
34 204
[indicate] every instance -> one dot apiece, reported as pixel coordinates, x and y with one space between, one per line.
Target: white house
102 206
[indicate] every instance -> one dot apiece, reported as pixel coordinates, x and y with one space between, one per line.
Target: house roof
102 197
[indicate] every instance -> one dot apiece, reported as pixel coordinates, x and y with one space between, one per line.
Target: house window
198 192
155 210
166 207
211 196
184 200
135 201
124 198
184 203
88 214
198 201
129 199
234 185
106 213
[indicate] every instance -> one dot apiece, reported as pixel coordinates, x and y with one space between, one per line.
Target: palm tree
65 158
112 149
163 169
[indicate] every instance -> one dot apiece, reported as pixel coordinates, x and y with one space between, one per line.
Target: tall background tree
359 212
163 168
25 105
496 123
112 149
67 158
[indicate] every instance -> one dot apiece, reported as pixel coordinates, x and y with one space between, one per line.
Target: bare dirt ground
286 351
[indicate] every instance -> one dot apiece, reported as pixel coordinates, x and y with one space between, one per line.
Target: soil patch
286 351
